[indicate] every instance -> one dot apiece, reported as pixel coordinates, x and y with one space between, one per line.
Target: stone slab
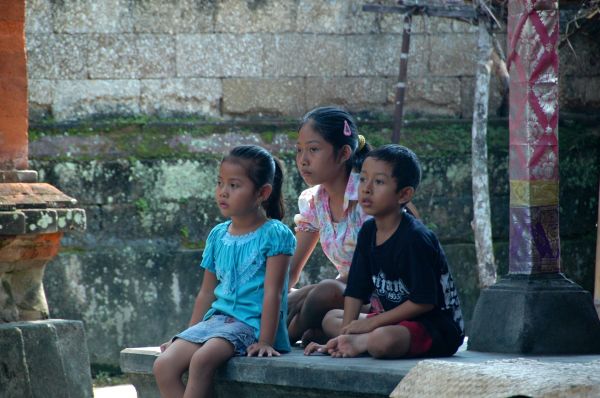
234 16
295 54
167 97
38 16
129 56
108 16
183 16
519 377
14 374
379 55
44 359
430 95
75 99
453 55
264 96
352 92
219 55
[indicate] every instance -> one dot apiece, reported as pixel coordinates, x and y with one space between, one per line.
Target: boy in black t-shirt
400 267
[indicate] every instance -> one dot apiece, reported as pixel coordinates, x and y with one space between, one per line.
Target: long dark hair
329 123
262 168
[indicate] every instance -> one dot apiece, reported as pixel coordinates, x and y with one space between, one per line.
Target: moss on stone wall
147 188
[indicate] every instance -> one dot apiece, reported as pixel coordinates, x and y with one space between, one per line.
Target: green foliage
142 206
107 375
185 232
188 243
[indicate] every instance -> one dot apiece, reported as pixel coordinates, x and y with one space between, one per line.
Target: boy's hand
261 349
359 326
315 347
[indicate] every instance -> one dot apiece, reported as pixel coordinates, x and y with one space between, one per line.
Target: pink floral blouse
338 239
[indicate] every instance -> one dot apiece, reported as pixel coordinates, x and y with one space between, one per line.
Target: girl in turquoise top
242 304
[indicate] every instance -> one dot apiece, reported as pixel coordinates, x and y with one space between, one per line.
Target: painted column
535 309
533 150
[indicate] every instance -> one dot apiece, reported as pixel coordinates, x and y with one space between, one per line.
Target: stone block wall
147 189
230 58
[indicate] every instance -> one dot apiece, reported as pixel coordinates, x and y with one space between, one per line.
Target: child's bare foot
347 345
314 347
313 335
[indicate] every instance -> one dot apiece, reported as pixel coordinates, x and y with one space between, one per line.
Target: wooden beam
401 85
448 11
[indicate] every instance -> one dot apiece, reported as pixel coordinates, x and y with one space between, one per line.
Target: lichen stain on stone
44 221
75 283
150 293
122 315
61 222
456 173
176 292
67 171
77 217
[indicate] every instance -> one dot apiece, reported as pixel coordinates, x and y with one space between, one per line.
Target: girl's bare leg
170 366
295 303
326 295
203 365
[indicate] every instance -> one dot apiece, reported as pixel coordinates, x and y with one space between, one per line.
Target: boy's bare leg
203 366
385 342
332 323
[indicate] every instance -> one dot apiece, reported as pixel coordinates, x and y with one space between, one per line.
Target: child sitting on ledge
400 267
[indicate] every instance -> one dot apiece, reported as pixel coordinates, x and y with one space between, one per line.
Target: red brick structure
13 86
33 216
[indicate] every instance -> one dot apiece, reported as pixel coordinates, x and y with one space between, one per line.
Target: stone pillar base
44 359
535 314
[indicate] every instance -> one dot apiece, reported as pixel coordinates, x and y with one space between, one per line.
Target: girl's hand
315 347
359 326
261 349
164 346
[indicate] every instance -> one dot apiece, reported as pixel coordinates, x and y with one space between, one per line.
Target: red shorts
420 340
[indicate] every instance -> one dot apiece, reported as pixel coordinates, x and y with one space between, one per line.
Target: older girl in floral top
338 239
328 150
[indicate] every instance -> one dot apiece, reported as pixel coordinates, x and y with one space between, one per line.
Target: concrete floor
122 391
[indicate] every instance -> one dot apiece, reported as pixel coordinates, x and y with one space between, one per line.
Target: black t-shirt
410 265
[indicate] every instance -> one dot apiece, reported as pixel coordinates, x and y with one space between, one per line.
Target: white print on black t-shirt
394 291
451 299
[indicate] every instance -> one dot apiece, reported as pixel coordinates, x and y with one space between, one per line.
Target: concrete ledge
317 375
294 375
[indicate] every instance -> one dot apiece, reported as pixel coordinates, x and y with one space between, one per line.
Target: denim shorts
222 326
